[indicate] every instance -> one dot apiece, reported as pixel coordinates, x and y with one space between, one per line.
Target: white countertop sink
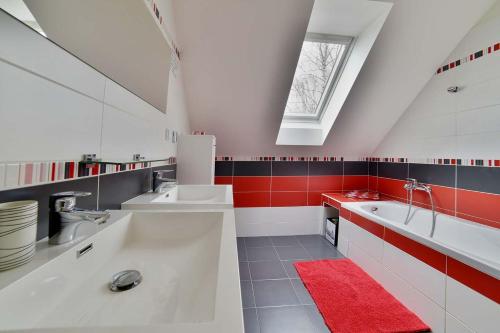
185 197
188 261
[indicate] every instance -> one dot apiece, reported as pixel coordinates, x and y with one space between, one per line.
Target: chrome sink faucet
65 218
411 185
161 182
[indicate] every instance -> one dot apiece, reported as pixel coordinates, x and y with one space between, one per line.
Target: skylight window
320 63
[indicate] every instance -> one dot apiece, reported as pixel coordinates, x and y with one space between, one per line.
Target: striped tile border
284 158
471 57
439 161
19 174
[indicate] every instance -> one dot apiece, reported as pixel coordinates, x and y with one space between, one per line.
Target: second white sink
185 197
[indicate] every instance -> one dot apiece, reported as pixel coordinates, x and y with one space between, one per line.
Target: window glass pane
313 74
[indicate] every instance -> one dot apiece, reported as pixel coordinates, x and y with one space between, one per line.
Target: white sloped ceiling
239 57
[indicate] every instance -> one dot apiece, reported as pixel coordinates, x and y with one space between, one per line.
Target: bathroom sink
185 197
189 267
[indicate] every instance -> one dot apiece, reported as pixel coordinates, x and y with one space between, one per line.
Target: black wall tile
119 187
289 168
325 168
393 170
355 168
223 168
443 175
373 169
41 193
252 168
483 179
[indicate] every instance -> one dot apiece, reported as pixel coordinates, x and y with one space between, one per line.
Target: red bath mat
352 302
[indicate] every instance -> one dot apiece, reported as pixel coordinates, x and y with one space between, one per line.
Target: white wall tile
423 277
12 175
2 176
479 120
366 241
52 123
479 313
371 266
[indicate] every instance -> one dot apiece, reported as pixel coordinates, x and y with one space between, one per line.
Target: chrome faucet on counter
161 182
411 185
65 218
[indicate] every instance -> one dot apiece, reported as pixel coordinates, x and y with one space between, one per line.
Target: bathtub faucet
411 185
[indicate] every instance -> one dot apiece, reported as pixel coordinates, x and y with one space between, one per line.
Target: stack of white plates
18 220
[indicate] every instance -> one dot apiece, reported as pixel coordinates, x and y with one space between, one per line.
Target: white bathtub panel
476 311
368 242
367 263
423 277
431 313
453 325
343 245
345 229
278 221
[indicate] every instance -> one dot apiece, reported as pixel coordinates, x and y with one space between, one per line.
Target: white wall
55 107
465 124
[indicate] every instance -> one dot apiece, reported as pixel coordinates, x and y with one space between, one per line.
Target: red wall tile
444 197
223 180
392 187
345 213
284 199
484 206
289 183
325 183
372 227
314 198
355 183
251 184
373 183
426 254
252 199
474 279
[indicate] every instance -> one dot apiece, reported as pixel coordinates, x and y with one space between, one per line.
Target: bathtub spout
411 185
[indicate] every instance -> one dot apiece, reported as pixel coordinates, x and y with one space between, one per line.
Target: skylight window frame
334 77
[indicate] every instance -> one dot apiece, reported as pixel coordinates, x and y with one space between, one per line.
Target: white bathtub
476 245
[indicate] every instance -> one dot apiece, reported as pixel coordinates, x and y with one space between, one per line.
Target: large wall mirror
122 39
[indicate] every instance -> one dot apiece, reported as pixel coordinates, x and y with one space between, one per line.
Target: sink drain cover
125 280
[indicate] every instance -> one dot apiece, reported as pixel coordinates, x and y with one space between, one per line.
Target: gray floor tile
265 270
311 240
289 319
240 241
302 293
242 254
247 294
290 269
284 241
244 271
292 252
261 253
251 321
317 319
274 293
326 252
257 241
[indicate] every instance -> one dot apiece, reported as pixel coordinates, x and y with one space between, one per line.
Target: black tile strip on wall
294 168
476 178
41 193
443 175
373 168
355 168
325 168
113 189
252 168
393 170
223 168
